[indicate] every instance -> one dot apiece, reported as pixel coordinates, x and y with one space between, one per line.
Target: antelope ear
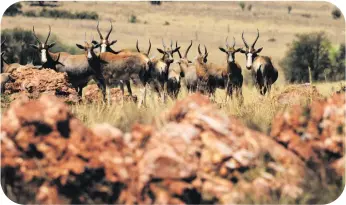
94 42
242 51
176 49
222 49
113 42
259 50
239 50
96 46
51 45
161 51
80 46
34 46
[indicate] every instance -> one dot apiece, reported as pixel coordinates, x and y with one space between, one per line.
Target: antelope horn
233 42
205 50
2 43
171 44
85 38
187 50
163 44
98 30
242 36
48 35
227 44
176 46
149 47
199 49
137 46
109 30
33 31
254 43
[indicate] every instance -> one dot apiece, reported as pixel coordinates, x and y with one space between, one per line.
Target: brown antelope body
7 67
186 72
105 46
263 72
234 72
159 69
116 67
79 68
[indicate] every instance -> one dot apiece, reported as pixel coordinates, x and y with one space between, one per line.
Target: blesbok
186 73
123 67
263 72
202 70
235 77
79 68
7 67
105 46
159 68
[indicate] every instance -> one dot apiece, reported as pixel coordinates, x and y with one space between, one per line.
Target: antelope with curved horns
202 70
6 67
79 68
186 72
159 69
235 77
105 44
263 72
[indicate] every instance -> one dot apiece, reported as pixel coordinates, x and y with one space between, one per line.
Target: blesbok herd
164 74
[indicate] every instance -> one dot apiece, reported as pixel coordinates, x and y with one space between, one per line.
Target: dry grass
256 112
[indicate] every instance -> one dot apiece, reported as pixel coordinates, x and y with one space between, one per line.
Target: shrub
242 5
166 23
54 13
249 7
30 14
133 19
13 10
338 63
336 13
17 46
289 9
308 50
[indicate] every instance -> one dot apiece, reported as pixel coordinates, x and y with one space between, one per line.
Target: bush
30 14
54 13
133 19
289 9
337 58
308 50
336 13
249 7
13 10
242 5
18 50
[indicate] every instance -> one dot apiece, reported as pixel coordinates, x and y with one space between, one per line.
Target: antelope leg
142 96
122 92
108 90
128 85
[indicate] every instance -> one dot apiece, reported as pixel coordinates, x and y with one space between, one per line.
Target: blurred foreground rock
199 156
32 82
316 132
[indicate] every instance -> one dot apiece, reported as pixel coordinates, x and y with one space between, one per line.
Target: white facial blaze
230 58
103 48
89 54
249 60
44 55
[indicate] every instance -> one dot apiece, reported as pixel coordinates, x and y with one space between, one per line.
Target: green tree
13 10
308 50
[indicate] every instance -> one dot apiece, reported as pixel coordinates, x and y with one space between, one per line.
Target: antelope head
42 47
89 49
250 53
230 51
104 43
183 59
168 53
202 58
